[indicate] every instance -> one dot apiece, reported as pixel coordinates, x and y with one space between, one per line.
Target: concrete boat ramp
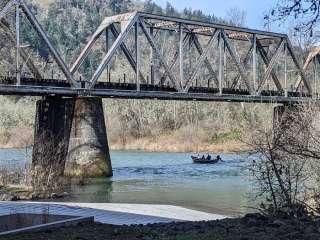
111 213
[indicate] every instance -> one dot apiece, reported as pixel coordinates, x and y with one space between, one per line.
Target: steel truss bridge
141 55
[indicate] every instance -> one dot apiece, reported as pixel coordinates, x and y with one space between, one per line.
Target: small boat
206 160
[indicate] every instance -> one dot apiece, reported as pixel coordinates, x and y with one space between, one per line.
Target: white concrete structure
111 213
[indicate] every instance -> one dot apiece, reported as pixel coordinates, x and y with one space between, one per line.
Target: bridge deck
49 87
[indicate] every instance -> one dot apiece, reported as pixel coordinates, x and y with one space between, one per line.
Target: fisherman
209 157
219 158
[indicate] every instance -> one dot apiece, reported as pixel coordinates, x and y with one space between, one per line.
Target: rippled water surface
164 178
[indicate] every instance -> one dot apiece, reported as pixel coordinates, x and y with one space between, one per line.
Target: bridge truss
141 55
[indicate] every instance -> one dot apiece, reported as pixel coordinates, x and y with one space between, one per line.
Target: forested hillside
146 124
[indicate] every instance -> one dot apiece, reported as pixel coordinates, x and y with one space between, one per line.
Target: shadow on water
94 190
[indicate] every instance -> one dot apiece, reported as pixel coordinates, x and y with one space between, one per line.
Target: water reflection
94 190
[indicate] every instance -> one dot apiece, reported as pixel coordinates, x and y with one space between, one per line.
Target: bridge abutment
70 139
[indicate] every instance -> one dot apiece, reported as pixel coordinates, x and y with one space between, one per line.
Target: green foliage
234 134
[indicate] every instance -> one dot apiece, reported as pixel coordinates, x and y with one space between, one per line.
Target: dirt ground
251 227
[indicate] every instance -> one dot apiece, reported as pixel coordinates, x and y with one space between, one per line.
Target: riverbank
167 144
177 141
250 227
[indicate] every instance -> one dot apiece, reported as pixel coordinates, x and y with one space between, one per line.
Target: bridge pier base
51 138
70 139
88 153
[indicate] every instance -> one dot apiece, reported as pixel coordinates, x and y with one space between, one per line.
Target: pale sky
255 8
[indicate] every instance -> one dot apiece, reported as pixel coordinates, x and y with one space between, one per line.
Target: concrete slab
71 221
112 213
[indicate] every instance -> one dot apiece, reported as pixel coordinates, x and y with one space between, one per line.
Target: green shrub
222 137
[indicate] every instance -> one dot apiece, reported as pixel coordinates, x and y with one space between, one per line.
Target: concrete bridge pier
51 138
282 115
70 138
88 152
278 112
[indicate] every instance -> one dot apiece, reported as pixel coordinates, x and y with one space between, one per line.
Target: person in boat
209 157
219 158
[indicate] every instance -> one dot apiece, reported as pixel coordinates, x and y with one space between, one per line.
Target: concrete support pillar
283 115
88 153
278 112
286 124
51 137
70 139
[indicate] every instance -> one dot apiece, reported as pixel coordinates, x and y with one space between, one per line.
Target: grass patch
223 137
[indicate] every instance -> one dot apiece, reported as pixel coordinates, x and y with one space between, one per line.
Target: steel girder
21 7
252 70
192 30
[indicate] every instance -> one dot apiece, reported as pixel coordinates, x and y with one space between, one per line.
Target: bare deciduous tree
236 17
48 168
305 12
288 153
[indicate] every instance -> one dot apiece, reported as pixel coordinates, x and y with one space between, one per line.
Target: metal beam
245 62
221 63
152 60
137 46
103 26
85 52
237 61
211 25
285 71
254 63
10 35
271 65
18 70
161 58
296 62
315 76
174 61
127 52
181 55
44 37
133 94
186 29
266 60
206 61
105 61
201 61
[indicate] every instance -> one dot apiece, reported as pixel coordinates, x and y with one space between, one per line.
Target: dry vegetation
287 170
151 125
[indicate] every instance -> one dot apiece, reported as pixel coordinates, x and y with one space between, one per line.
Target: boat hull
197 160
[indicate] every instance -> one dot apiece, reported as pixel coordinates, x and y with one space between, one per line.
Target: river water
164 178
